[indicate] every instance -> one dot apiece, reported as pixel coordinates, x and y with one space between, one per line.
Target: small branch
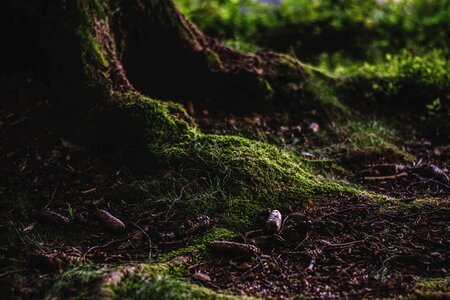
102 246
342 244
11 272
390 177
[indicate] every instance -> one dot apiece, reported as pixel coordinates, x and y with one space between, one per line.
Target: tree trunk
100 57
165 56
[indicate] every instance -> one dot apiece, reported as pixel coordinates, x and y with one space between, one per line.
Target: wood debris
388 177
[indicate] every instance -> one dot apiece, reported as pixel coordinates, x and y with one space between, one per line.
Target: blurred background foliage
395 51
325 30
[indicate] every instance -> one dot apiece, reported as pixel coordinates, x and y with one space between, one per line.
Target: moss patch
78 282
199 244
370 139
151 285
139 281
137 128
405 84
435 288
231 178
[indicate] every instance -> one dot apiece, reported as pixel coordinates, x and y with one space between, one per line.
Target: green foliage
70 211
225 19
407 78
357 29
430 69
362 41
405 82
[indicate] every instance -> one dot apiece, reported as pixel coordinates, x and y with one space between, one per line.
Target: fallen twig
11 272
342 244
103 246
389 177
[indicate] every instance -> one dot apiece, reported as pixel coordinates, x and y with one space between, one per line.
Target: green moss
214 61
325 97
99 8
140 281
93 53
138 129
198 245
404 83
91 50
370 139
425 201
158 281
434 288
152 121
145 286
78 282
233 179
311 89
228 177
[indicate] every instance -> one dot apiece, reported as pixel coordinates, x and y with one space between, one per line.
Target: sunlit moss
433 288
137 281
198 244
231 178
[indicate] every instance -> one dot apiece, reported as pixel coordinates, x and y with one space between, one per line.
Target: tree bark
101 57
165 56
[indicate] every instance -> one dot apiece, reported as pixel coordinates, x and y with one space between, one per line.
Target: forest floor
349 247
